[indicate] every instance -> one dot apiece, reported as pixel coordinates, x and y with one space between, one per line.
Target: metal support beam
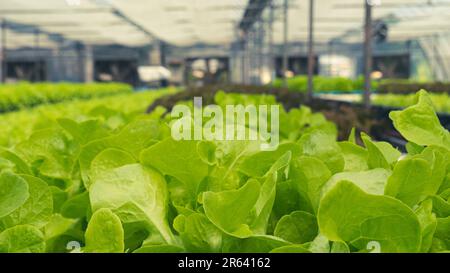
244 58
260 49
88 63
285 42
311 59
155 53
3 72
240 49
80 57
249 46
330 58
271 44
127 19
252 13
409 45
37 65
367 53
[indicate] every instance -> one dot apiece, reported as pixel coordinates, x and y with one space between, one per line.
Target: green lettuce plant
132 188
24 95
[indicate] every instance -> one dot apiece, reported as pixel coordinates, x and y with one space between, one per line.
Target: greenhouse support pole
244 49
37 66
311 60
3 67
409 45
249 60
156 53
330 59
285 42
367 53
60 71
260 47
88 63
80 58
271 45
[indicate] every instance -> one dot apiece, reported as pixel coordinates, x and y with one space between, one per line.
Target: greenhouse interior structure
232 126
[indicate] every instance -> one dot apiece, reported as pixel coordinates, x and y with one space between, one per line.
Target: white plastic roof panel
189 22
87 21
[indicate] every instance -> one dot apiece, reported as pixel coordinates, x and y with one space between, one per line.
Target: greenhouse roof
183 23
343 19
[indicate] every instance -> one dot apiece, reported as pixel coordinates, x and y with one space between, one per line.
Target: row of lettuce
104 185
347 85
114 110
441 102
440 98
322 84
15 97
